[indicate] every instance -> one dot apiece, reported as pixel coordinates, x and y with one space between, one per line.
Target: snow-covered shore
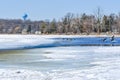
106 71
12 41
23 41
105 64
53 36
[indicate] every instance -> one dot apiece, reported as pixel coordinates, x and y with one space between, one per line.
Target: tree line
69 24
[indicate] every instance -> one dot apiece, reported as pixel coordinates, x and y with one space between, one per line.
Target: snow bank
33 41
20 75
22 41
109 70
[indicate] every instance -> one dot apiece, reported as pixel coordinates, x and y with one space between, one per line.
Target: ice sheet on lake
22 41
108 68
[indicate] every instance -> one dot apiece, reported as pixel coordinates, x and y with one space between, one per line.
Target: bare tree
67 21
98 16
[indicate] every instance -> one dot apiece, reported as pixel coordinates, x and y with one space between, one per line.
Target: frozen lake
61 63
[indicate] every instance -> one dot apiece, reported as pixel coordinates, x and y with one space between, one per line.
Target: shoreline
106 70
58 35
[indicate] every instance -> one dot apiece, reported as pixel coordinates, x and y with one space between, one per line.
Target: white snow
21 41
106 69
109 70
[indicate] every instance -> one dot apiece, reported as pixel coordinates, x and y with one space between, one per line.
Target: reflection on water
57 58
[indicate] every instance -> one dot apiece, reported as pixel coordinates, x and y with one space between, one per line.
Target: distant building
38 32
24 31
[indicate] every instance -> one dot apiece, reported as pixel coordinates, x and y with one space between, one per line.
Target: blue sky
49 9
